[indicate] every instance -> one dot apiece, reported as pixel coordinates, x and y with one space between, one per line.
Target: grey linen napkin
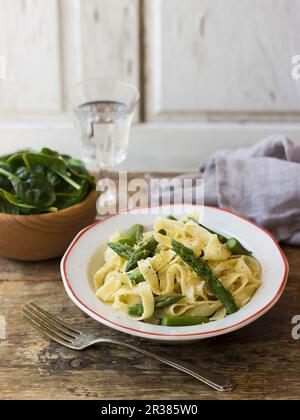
261 182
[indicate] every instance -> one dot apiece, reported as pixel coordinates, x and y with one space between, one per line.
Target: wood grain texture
262 358
45 236
214 60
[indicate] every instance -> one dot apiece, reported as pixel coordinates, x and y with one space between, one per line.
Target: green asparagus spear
136 310
232 244
203 270
122 250
221 238
164 301
133 236
236 247
160 303
139 233
174 321
141 253
125 251
135 276
170 217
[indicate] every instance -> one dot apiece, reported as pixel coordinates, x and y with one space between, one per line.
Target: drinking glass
104 111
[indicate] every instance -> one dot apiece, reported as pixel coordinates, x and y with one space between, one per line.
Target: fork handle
214 380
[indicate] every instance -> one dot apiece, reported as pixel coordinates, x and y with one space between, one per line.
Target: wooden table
263 359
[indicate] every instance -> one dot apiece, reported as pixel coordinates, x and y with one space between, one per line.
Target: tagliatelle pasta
163 288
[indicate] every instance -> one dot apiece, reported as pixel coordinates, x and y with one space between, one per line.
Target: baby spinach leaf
11 199
6 207
38 191
7 157
49 152
22 172
33 183
55 164
52 177
78 169
75 166
4 181
31 188
16 160
69 197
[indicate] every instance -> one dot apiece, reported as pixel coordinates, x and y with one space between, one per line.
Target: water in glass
104 127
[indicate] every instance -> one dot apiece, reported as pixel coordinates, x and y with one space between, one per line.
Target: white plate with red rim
85 256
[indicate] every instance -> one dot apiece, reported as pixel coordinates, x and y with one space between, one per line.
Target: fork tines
49 325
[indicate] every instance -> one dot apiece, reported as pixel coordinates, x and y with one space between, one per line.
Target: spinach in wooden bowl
41 182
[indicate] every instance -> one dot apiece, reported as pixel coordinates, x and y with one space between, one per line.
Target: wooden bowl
45 236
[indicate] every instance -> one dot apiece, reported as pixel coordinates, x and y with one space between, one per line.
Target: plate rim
162 336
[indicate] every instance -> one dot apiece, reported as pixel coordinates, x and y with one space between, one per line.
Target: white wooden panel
71 44
221 59
110 39
29 41
172 147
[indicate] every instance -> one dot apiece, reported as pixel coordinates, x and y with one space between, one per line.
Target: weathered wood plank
100 39
263 358
20 271
29 43
112 23
214 60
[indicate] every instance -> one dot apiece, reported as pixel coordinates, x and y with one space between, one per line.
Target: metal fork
64 334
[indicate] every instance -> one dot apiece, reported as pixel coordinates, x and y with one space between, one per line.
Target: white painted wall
213 73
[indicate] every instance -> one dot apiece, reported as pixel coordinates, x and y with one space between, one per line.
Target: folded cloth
261 182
